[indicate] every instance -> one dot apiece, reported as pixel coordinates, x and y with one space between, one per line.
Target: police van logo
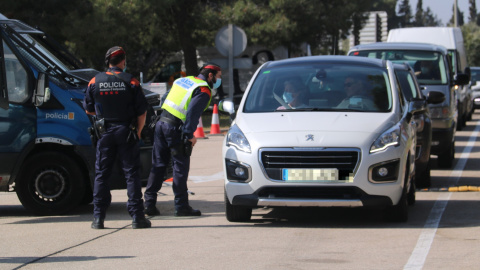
309 137
64 116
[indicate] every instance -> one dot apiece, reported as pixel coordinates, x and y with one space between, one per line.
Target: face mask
287 97
217 83
125 68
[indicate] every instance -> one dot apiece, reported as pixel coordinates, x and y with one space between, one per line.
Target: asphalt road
443 230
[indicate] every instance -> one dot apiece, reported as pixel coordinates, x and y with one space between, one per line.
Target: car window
407 84
336 87
429 66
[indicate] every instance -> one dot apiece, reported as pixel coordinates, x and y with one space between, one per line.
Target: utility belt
100 126
183 148
166 117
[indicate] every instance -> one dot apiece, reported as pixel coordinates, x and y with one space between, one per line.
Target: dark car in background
475 85
411 90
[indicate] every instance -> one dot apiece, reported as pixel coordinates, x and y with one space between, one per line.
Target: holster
184 148
132 133
99 125
96 130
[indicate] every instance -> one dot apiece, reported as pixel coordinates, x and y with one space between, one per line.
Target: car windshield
329 87
429 66
475 73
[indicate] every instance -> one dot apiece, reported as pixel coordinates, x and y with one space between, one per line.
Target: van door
17 114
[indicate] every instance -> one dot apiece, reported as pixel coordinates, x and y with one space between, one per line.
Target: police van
46 152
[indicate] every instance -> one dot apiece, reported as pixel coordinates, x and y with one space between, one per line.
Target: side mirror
461 79
416 106
227 105
42 93
435 97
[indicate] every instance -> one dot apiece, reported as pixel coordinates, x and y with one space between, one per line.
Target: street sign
239 40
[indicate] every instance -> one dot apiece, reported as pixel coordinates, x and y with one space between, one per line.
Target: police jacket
115 98
187 99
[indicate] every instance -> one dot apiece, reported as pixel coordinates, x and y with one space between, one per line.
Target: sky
443 9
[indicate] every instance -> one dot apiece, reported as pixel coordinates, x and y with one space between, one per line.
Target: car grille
274 160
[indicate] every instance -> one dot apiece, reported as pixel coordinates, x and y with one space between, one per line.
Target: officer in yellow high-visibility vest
182 108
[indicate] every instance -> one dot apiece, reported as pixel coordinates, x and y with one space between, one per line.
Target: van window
16 76
311 87
429 66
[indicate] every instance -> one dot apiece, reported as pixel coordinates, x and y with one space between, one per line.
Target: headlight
236 139
389 138
439 112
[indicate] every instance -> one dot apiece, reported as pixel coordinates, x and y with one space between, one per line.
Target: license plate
310 174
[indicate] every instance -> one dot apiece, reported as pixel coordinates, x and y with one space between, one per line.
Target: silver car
321 131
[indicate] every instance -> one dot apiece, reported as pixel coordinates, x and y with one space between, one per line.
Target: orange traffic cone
215 127
199 134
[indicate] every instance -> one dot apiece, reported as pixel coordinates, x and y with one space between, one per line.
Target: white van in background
452 39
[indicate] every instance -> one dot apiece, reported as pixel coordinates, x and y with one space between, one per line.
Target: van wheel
236 213
445 160
50 184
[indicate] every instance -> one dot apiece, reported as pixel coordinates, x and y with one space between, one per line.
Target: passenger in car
357 94
294 95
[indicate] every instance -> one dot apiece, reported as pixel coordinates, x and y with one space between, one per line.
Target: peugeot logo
309 137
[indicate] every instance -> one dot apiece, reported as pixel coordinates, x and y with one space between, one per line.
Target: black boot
187 211
152 211
97 223
141 223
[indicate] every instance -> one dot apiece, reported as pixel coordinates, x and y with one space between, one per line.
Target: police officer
118 98
183 106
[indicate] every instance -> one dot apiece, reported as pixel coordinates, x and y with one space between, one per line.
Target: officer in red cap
117 98
183 106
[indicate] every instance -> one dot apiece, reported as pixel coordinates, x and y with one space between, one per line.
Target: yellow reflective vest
180 95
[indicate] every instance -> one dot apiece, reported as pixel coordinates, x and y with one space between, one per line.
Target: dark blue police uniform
168 133
119 101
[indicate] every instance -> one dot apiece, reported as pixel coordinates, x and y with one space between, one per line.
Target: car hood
328 129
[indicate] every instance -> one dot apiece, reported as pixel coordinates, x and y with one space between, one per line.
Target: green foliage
471 38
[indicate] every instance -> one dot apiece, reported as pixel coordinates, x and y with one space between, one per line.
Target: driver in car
357 96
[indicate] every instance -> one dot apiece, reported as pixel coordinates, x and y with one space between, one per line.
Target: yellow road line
453 189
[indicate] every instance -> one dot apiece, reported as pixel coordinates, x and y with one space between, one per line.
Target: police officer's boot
187 211
97 223
141 223
152 211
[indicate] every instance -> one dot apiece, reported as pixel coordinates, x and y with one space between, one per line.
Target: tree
393 21
471 38
419 16
405 13
460 20
473 11
290 23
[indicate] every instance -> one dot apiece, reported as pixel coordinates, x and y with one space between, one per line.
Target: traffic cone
199 134
215 127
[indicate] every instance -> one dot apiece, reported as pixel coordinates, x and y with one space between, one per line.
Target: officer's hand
193 141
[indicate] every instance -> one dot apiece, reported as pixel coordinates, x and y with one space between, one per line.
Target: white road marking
419 254
207 178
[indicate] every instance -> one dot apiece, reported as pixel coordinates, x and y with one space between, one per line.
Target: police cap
114 52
